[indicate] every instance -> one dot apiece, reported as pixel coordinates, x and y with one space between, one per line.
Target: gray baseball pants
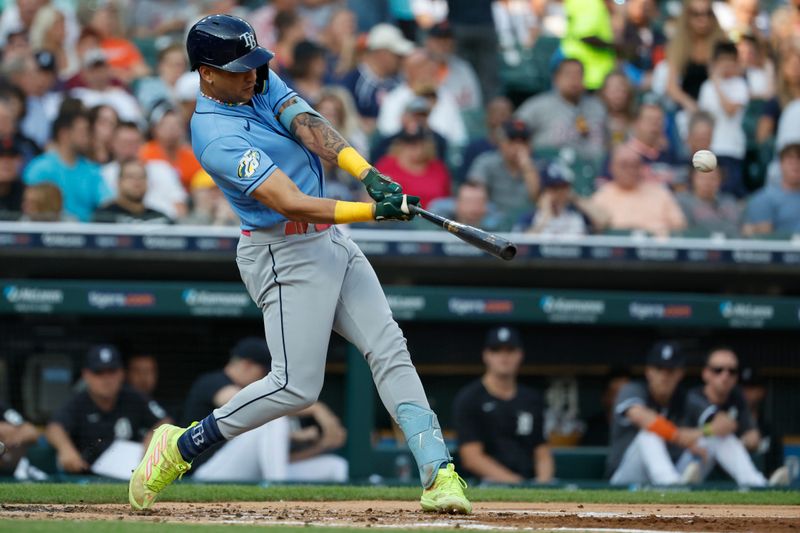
307 285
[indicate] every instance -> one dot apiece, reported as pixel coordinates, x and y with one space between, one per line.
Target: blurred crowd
550 117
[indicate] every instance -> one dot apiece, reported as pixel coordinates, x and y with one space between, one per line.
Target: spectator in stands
11 186
498 111
415 115
9 127
89 424
476 40
263 20
788 90
590 39
558 210
98 76
43 202
263 453
169 144
308 73
377 73
706 208
649 140
209 207
566 115
153 90
635 204
776 208
785 27
49 35
103 122
421 79
17 435
725 96
618 95
647 437
412 163
470 206
701 130
128 207
142 374
689 52
643 42
460 79
35 76
88 40
758 68
165 193
186 91
336 105
67 167
741 17
509 173
500 423
719 409
290 31
340 40
125 61
155 18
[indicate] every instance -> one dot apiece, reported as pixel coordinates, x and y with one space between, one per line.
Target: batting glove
379 186
396 207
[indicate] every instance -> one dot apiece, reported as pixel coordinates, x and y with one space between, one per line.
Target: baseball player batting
262 144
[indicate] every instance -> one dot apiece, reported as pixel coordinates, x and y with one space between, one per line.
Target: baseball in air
704 160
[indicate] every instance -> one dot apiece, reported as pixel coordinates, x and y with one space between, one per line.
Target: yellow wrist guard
351 161
346 212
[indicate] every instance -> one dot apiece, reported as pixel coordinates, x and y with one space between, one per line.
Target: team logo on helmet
249 39
249 163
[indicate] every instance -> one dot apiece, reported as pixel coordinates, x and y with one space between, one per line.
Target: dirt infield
392 514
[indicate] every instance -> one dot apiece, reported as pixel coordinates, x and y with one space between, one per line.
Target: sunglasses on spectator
732 370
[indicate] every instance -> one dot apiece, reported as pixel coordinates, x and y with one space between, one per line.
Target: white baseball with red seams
704 160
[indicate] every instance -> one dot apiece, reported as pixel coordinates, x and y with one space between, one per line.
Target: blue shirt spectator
776 208
377 74
79 179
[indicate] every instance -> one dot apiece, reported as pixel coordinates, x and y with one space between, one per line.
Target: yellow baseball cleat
446 495
160 466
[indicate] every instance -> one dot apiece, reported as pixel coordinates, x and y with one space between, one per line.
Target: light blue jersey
241 146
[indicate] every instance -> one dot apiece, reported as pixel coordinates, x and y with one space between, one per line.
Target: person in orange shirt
124 57
635 204
169 144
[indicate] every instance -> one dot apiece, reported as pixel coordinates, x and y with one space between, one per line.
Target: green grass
187 492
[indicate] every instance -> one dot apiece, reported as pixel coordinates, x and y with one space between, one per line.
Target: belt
293 228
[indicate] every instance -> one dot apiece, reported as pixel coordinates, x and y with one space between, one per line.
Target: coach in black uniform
500 423
107 410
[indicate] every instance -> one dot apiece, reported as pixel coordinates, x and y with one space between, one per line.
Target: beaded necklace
220 101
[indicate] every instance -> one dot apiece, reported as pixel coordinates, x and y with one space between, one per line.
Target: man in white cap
377 73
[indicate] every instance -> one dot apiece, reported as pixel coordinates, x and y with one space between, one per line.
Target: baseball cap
103 357
412 133
555 175
94 57
254 349
503 337
419 104
187 86
387 37
45 60
442 30
666 355
516 129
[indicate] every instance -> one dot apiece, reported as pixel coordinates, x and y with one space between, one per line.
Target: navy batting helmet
225 42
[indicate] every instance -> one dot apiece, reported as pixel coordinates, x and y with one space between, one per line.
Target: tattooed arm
317 134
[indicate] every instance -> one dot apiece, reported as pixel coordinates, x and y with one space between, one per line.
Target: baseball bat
488 242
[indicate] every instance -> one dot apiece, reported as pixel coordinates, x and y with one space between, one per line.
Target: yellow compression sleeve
351 161
346 212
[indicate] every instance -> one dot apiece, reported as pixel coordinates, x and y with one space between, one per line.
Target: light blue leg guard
424 437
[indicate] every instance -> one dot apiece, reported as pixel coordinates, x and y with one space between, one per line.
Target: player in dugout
261 144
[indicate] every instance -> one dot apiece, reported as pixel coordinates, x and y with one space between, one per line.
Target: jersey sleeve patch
248 164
